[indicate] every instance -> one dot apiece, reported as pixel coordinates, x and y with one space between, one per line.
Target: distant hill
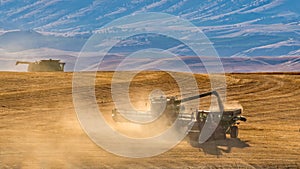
230 64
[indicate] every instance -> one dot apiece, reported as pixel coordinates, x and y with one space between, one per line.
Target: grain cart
174 108
44 66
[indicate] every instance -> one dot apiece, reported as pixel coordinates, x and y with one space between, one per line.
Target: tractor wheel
234 132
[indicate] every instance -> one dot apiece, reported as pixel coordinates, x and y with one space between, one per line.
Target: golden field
39 126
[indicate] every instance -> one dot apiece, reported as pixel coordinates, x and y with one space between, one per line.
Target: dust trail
137 130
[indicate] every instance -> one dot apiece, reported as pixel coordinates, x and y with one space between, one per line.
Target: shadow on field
218 147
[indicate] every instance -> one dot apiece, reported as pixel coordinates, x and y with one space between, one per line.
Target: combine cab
44 66
225 123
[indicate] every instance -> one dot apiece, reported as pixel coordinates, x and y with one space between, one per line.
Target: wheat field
39 127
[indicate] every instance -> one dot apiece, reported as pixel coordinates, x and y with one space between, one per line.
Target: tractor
173 108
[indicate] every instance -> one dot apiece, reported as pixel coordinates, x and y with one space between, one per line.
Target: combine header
173 108
44 66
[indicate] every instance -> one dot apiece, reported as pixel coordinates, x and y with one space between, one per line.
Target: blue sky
237 28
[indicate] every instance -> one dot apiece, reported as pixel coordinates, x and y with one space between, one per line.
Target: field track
39 126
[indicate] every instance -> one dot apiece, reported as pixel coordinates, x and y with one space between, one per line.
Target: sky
236 28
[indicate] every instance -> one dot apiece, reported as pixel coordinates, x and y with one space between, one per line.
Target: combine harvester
44 66
173 108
